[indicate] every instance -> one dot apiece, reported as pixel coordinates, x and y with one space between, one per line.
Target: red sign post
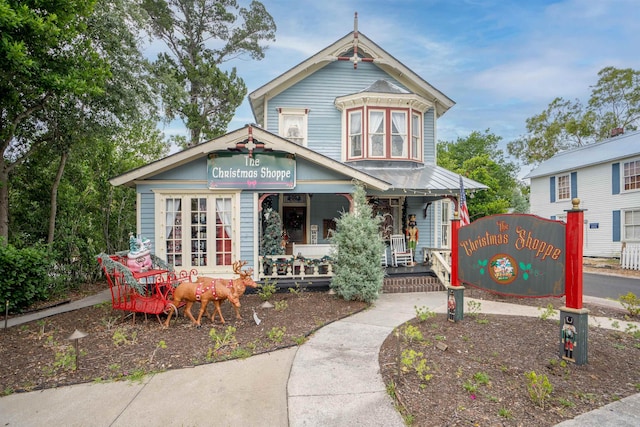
574 238
574 319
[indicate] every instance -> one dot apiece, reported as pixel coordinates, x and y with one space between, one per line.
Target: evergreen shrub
359 246
25 277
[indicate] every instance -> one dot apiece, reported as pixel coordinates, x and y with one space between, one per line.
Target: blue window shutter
616 226
615 178
574 184
553 217
552 189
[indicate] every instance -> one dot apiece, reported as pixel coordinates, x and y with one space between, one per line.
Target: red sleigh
148 292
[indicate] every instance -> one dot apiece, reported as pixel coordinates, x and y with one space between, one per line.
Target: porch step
426 283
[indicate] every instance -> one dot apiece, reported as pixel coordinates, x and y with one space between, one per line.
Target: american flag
464 212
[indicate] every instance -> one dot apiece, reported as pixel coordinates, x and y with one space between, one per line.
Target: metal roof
384 86
430 178
609 150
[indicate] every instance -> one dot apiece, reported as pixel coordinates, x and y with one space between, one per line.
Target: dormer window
383 122
292 124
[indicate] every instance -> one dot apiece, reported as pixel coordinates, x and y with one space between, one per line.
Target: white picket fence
630 257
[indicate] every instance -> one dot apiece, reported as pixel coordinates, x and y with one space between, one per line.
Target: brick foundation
394 285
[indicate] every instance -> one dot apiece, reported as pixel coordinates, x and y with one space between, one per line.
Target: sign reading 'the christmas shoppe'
519 255
257 171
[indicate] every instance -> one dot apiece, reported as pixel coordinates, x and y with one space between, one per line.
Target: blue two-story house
351 112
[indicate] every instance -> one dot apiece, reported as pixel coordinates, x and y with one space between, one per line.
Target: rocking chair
399 252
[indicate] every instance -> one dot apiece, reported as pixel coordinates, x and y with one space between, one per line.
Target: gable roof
371 52
609 150
242 136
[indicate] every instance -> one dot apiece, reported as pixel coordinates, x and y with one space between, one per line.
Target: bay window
376 134
399 134
383 133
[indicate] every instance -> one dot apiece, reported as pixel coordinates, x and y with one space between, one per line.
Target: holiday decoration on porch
412 234
271 234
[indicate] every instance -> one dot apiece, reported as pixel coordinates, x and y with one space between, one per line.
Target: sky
500 61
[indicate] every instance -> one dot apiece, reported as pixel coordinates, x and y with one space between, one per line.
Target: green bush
358 272
25 276
631 303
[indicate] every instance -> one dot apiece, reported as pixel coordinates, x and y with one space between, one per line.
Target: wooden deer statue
206 289
239 286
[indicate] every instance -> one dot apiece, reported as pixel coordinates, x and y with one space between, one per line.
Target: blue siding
415 205
147 211
195 170
429 136
247 229
615 178
318 93
326 206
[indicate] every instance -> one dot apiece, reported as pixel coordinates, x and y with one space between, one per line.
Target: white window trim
303 113
623 225
558 199
419 146
445 223
362 134
622 189
160 227
407 138
369 145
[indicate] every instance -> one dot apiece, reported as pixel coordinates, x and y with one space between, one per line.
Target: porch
289 271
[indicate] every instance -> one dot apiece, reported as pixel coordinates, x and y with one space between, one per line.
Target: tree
562 125
200 36
616 100
614 103
271 243
43 55
358 272
85 140
479 158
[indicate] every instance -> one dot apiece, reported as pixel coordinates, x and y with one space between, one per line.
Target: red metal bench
148 292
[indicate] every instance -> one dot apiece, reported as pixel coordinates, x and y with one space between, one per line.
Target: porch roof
430 179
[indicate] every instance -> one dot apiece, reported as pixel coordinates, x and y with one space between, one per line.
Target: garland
312 262
111 265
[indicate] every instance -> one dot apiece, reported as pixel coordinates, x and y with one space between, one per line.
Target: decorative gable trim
250 138
371 99
341 48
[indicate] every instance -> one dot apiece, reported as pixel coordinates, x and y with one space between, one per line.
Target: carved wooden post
574 319
455 291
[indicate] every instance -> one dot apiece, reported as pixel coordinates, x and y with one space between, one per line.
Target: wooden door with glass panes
205 238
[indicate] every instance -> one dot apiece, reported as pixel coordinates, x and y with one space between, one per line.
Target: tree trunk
54 196
4 202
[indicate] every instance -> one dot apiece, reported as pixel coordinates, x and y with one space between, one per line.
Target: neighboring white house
605 176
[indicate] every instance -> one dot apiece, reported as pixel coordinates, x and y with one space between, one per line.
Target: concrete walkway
331 380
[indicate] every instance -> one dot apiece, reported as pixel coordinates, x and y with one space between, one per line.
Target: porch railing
440 260
293 267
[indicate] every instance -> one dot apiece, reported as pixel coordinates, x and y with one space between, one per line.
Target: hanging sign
516 255
258 171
